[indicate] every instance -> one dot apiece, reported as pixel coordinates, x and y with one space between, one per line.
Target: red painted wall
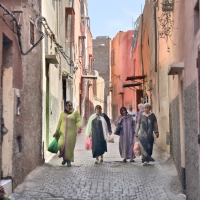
123 66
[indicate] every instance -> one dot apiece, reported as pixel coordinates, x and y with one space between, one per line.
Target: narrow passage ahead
111 179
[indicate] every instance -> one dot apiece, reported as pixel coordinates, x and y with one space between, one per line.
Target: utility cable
18 30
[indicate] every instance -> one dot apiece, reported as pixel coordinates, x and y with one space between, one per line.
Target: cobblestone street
109 180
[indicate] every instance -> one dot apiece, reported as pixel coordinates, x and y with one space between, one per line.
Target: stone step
7 184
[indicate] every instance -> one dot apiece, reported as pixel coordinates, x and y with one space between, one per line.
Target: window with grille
32 35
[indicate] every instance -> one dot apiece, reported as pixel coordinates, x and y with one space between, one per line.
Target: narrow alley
109 180
71 66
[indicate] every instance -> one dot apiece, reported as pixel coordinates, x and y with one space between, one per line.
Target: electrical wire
52 36
18 31
45 25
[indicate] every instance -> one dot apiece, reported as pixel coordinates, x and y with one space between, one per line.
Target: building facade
101 54
125 67
170 56
20 106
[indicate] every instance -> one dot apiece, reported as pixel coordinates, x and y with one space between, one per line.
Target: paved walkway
109 180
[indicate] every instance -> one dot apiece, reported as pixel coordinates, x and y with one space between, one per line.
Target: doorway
139 96
64 88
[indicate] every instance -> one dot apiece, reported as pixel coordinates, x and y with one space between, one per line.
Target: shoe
96 162
145 164
132 160
69 165
101 160
63 162
124 161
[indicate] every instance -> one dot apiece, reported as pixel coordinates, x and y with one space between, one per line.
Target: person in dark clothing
98 128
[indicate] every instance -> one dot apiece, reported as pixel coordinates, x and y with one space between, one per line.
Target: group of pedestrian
133 126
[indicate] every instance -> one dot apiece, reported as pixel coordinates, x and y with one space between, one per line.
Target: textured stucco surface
191 142
175 134
102 62
26 79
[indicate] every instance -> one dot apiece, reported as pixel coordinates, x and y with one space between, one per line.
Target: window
112 57
19 144
32 35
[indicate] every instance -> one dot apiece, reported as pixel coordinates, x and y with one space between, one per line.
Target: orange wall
123 67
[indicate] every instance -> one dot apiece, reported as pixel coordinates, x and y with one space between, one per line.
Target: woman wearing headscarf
147 125
98 128
69 124
141 110
126 140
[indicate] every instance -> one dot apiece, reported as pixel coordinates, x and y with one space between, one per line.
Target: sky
108 17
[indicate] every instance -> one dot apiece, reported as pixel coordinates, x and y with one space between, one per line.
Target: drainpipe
141 44
155 32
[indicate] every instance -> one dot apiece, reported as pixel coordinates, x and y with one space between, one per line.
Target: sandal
96 162
132 160
63 162
145 164
68 164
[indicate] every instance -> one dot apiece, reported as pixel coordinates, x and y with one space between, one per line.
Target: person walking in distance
146 127
69 123
126 140
141 110
98 128
132 112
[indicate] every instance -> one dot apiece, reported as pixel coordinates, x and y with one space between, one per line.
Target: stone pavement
109 180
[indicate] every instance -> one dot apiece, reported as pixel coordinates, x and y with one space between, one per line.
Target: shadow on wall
115 112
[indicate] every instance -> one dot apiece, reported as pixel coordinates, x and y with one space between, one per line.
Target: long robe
145 129
138 115
66 133
95 129
126 140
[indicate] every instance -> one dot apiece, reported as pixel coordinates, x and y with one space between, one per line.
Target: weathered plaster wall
191 143
175 149
8 116
24 136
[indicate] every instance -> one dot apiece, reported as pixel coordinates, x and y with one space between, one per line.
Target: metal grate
32 35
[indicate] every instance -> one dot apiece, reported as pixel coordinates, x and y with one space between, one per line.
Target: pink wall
122 68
